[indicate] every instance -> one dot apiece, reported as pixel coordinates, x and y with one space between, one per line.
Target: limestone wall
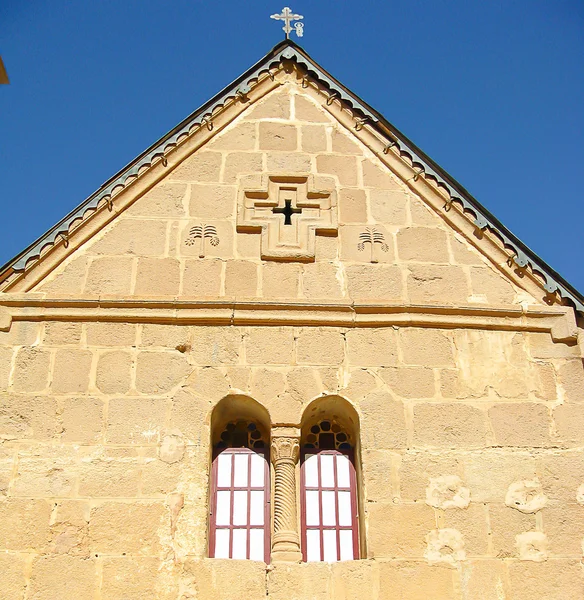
471 459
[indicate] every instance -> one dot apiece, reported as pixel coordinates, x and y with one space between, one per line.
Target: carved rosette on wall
286 541
288 212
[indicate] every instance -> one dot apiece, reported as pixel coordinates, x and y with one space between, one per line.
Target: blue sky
492 91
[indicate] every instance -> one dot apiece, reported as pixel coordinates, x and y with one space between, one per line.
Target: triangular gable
390 145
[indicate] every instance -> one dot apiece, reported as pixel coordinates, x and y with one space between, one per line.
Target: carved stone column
286 541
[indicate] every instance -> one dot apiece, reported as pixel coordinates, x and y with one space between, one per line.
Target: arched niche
236 409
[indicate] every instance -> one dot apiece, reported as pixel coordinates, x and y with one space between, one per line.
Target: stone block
299 581
506 524
69 525
109 478
376 177
159 372
483 579
239 137
28 417
214 578
471 522
190 415
202 278
270 346
562 474
409 382
463 253
139 237
322 280
275 105
426 347
343 167
419 468
313 138
372 347
409 580
280 280
378 466
63 577
542 346
569 424
437 284
248 245
564 526
239 163
492 285
344 143
203 165
422 214
71 371
68 279
135 420
422 244
399 530
48 478
137 578
352 206
449 425
82 420
21 333
109 275
214 201
353 579
305 109
389 206
241 278
545 377
24 524
217 345
166 336
356 383
12 567
288 162
31 370
277 136
114 372
5 367
520 424
163 200
552 580
111 334
320 346
382 421
117 527
209 383
160 478
157 277
571 376
62 333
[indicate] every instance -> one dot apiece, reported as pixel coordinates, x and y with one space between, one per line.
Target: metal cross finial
288 16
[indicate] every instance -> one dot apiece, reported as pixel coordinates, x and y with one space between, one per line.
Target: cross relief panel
288 212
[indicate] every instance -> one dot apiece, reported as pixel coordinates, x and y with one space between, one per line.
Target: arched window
329 499
240 485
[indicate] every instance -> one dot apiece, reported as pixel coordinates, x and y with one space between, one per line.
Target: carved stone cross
288 212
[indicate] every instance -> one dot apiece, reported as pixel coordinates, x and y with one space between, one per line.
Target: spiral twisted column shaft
286 541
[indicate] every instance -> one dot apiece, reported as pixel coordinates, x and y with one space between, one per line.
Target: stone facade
466 381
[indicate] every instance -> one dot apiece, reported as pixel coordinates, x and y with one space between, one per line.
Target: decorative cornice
558 321
364 116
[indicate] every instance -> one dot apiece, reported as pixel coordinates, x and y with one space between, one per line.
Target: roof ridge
522 256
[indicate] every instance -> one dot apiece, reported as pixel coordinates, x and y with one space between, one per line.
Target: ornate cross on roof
288 16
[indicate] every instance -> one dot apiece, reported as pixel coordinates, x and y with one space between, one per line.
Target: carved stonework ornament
288 212
285 448
372 236
199 234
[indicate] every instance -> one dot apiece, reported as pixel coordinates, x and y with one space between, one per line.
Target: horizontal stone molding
558 321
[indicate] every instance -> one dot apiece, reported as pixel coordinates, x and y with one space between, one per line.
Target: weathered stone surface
280 280
32 517
202 278
200 166
426 347
552 580
213 201
12 567
425 244
114 372
320 346
372 347
525 424
322 280
109 275
306 110
157 277
383 421
437 284
62 333
241 278
217 345
111 334
278 136
63 577
343 167
163 200
270 345
31 370
137 578
140 237
71 371
409 382
26 417
414 580
374 282
135 420
506 524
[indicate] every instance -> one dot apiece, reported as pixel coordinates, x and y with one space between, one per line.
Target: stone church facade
284 355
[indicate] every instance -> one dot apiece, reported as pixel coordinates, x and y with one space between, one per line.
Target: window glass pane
330 545
328 508
344 508
343 478
223 506
256 509
240 469
224 469
239 543
312 517
256 544
311 470
312 545
258 470
347 544
327 474
239 508
222 543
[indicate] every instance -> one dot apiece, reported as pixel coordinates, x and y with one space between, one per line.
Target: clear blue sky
492 90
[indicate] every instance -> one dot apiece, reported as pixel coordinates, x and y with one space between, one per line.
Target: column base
290 556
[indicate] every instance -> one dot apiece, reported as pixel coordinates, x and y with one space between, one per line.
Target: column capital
285 448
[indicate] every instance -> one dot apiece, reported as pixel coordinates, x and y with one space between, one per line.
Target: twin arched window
240 509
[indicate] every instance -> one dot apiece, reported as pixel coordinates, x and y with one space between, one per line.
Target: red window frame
354 527
233 488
